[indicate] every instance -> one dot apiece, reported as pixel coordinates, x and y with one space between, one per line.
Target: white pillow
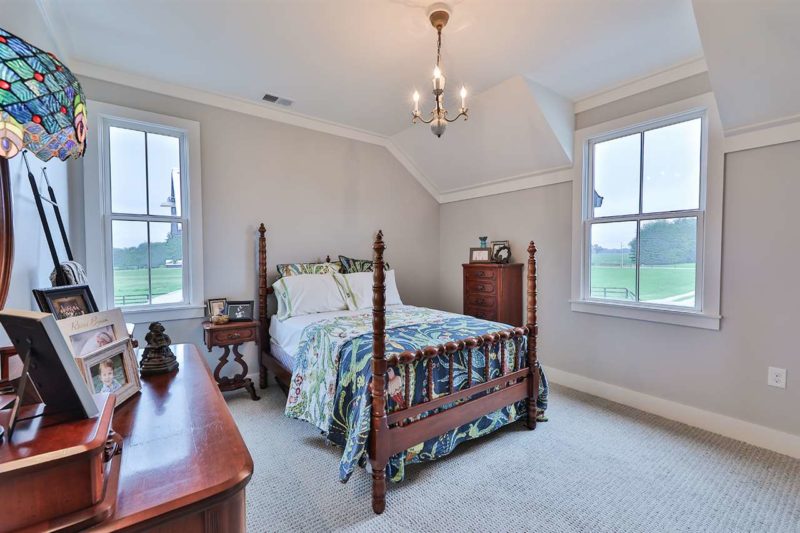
305 294
358 289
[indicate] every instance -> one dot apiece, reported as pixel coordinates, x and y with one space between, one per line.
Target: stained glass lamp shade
42 106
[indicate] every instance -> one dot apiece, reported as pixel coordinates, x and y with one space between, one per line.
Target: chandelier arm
462 114
426 121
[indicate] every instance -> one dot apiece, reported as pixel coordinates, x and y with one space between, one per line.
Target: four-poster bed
410 395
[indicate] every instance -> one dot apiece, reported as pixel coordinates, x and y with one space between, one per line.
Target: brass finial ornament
439 15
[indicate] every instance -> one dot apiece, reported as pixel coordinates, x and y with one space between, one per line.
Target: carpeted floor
596 466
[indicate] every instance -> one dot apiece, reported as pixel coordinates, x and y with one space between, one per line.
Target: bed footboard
406 426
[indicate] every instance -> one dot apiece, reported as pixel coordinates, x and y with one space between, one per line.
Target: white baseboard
761 436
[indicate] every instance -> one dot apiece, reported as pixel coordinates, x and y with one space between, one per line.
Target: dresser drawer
481 300
480 312
481 273
233 337
481 286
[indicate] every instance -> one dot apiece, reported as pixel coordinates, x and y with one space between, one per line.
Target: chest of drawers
493 292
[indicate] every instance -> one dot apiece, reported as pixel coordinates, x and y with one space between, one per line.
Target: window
146 213
147 190
644 216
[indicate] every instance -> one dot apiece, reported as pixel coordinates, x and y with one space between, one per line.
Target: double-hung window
644 207
143 220
146 214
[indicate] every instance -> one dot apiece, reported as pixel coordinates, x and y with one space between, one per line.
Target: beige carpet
596 466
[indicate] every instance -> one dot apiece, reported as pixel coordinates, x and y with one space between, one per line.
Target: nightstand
231 336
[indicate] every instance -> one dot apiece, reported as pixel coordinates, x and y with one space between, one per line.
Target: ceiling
350 66
356 62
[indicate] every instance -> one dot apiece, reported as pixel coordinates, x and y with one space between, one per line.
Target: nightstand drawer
234 336
481 300
481 273
477 286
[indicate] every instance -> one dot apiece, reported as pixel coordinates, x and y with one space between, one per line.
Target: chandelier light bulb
416 97
463 94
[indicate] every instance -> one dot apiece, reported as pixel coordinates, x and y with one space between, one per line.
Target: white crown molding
509 184
734 428
231 103
779 131
412 169
642 83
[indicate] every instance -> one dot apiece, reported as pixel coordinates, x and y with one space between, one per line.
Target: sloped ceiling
752 49
516 127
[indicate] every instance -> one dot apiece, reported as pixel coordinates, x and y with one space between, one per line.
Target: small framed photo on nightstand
240 311
216 306
480 255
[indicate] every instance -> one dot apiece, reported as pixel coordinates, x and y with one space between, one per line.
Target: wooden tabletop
181 446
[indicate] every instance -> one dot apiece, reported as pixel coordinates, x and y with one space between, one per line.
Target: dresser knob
480 273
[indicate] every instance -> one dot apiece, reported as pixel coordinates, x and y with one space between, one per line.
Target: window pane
128 179
166 260
616 176
613 275
164 174
131 280
672 167
668 256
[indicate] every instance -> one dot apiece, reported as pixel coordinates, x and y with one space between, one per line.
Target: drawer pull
234 335
480 273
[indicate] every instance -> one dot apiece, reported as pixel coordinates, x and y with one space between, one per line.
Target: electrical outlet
776 377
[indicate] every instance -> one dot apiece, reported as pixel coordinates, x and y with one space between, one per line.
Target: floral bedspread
332 371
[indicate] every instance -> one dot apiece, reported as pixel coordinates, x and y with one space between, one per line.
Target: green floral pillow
294 269
350 265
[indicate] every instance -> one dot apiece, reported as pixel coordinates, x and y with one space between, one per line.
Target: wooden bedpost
379 428
533 363
263 325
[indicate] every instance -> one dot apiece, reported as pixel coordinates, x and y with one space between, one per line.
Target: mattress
286 334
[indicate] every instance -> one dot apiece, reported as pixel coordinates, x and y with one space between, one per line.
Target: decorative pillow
295 269
305 294
350 265
357 288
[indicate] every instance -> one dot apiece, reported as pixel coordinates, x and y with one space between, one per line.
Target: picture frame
480 255
241 311
111 369
66 302
216 306
495 245
88 333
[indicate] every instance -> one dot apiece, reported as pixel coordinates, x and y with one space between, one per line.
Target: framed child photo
88 333
112 369
241 311
216 306
66 302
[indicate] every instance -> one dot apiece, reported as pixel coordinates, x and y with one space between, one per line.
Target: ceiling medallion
439 14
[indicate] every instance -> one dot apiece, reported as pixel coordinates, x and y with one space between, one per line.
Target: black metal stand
39 198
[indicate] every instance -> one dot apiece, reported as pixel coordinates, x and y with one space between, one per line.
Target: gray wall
721 371
318 194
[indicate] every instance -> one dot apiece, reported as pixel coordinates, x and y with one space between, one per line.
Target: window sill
676 317
140 315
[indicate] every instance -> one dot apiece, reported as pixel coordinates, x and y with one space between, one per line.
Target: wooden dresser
493 291
184 462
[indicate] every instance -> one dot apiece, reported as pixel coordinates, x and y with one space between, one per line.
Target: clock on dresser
493 291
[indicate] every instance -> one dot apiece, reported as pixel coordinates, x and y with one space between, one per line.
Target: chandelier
439 14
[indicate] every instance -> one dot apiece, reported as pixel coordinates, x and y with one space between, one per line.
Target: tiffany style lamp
42 110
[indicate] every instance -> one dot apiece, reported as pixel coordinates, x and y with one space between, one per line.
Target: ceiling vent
272 99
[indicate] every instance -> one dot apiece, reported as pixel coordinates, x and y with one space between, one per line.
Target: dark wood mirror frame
6 231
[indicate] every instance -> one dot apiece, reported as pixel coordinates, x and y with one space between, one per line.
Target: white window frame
98 215
705 313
